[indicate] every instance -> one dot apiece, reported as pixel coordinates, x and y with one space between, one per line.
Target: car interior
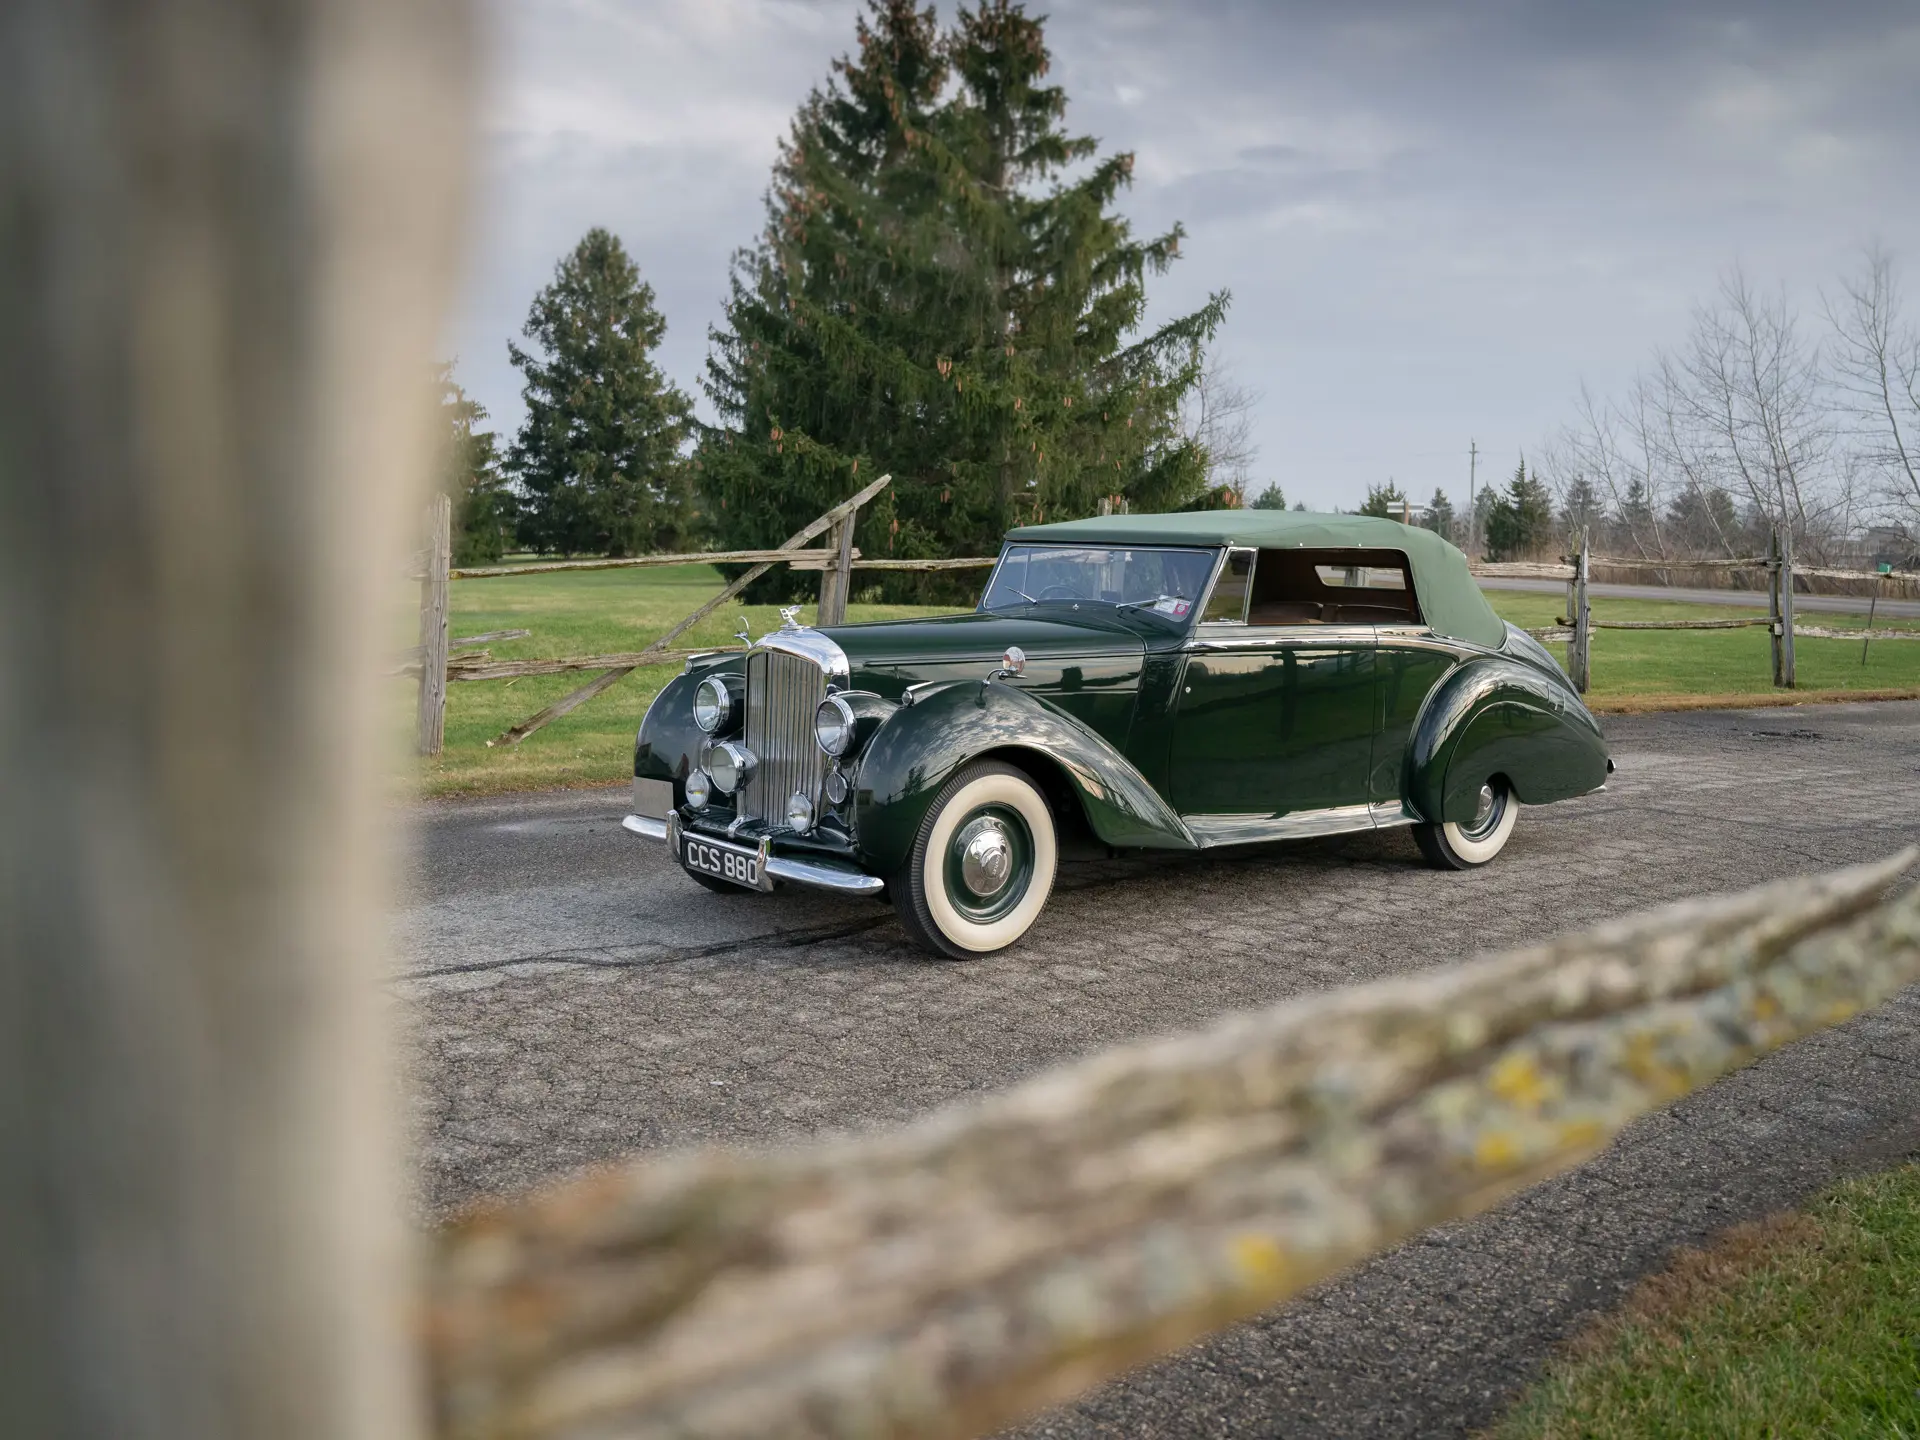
1317 587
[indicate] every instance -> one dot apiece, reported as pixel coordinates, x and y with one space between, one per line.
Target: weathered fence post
227 240
432 719
1580 613
1786 602
1780 604
836 580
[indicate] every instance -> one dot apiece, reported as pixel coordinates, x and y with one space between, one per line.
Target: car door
1273 721
1409 660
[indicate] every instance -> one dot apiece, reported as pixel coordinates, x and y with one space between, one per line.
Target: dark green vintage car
1172 682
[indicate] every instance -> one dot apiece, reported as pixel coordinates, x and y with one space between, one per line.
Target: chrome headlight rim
715 706
834 726
729 765
839 786
800 812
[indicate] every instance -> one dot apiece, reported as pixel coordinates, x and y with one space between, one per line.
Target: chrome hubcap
986 857
1485 807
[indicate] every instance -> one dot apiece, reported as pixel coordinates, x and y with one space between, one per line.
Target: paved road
571 998
1747 599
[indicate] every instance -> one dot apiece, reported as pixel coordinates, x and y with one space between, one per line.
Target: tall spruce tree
931 297
1521 520
1439 516
598 462
470 476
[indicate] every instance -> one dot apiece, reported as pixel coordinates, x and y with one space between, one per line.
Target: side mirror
1012 663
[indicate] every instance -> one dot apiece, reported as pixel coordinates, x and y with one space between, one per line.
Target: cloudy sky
1438 220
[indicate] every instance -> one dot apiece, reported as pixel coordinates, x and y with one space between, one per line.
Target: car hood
893 653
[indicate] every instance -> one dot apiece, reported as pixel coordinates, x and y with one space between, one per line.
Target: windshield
1161 582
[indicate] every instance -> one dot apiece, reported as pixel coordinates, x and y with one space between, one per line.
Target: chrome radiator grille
782 693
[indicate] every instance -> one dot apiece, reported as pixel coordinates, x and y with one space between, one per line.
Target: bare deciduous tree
1219 415
1877 376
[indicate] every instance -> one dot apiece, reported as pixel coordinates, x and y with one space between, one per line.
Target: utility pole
1473 510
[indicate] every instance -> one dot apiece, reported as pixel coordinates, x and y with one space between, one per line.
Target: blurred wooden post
432 719
1580 647
836 581
227 235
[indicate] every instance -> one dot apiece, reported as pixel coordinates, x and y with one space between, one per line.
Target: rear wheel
1465 845
982 865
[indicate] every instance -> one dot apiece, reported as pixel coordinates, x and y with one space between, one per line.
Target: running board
1212 830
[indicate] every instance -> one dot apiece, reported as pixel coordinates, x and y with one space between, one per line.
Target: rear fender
919 747
1496 716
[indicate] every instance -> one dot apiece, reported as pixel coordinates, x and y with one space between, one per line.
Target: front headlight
833 725
800 812
714 705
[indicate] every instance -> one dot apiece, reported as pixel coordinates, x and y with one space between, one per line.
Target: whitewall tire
982 865
1455 845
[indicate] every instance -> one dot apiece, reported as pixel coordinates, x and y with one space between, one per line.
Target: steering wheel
1066 593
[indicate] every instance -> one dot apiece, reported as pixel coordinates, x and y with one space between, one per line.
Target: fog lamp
799 812
699 789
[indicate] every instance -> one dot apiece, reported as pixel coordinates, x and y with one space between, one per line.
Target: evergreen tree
1484 501
1520 520
932 298
1271 498
1702 519
1385 501
1439 516
1581 507
1637 518
470 476
598 462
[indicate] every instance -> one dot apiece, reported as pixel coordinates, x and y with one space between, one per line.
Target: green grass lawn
1631 668
595 612
1804 1325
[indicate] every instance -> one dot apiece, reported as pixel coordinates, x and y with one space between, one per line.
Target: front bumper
817 871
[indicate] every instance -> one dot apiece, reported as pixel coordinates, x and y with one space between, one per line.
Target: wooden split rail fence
949 1277
436 666
837 559
1576 627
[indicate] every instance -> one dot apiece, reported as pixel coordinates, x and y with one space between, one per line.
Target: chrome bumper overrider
822 874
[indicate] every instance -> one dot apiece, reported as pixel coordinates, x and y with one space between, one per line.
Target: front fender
921 745
669 742
1495 716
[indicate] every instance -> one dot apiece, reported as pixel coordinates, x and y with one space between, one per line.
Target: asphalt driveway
570 997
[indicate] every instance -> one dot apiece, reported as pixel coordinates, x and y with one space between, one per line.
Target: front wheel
982 865
1456 846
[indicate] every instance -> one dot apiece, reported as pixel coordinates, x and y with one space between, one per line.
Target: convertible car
1173 682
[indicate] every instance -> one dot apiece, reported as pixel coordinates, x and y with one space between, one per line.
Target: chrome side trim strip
821 875
1301 637
646 826
1211 830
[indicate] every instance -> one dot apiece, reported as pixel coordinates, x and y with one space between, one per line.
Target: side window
1229 598
1332 587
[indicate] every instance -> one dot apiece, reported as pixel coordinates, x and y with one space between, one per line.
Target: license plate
723 862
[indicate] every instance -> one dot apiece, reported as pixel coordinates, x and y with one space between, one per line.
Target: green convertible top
1449 598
